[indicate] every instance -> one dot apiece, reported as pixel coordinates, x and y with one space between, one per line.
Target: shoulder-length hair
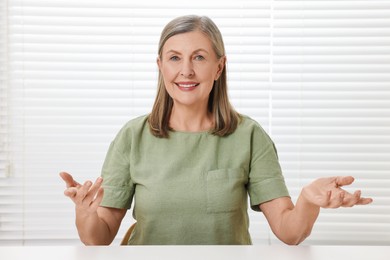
226 119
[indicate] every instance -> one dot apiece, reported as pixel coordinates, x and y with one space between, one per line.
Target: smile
187 86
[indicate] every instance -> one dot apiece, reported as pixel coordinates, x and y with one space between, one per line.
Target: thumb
70 182
344 180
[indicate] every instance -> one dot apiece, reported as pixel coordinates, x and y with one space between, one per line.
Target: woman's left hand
328 193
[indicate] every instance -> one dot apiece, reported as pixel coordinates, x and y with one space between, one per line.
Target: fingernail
99 179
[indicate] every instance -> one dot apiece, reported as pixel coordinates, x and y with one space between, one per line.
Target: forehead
188 42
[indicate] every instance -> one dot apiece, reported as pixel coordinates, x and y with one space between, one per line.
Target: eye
174 58
199 57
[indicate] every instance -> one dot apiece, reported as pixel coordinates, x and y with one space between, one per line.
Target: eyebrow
197 50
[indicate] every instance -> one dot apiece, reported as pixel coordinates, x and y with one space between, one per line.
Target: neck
190 120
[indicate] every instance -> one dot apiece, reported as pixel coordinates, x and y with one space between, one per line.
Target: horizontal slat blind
313 73
79 71
331 107
3 91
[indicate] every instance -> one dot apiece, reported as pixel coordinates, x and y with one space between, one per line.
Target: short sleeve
266 181
117 183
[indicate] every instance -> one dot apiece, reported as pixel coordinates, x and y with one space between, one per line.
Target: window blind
313 73
3 89
331 110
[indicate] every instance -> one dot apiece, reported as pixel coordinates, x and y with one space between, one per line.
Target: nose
187 69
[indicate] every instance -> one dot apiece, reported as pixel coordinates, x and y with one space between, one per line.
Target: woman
190 164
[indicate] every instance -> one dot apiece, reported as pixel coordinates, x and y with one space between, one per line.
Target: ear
158 60
221 66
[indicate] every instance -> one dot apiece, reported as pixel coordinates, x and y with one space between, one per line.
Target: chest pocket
226 190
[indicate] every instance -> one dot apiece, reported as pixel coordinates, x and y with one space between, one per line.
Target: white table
274 252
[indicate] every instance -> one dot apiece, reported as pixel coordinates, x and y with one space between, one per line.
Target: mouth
186 86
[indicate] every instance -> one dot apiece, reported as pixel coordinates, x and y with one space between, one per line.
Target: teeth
187 85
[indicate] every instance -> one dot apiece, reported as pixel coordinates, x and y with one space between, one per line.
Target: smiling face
189 67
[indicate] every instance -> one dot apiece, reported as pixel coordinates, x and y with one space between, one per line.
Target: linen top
191 188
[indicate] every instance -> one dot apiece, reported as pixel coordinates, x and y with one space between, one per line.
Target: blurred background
314 74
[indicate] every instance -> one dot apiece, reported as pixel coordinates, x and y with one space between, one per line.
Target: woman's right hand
87 197
96 225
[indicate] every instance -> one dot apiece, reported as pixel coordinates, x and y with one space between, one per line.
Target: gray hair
190 23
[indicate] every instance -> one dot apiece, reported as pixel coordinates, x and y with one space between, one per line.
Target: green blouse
191 188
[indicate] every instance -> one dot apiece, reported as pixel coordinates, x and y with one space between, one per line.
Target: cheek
168 70
209 72
168 78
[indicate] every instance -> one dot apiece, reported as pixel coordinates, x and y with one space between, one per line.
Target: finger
99 197
83 191
70 182
364 201
327 200
94 189
70 192
338 201
351 200
344 180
